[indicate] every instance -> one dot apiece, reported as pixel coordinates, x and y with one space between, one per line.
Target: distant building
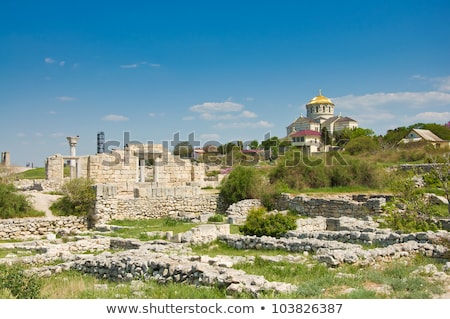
421 135
306 131
307 138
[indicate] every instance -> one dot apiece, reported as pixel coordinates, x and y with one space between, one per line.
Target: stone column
141 170
73 140
156 167
5 161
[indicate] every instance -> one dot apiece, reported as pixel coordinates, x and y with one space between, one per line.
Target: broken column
73 140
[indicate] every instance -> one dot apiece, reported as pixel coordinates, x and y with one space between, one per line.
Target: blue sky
222 70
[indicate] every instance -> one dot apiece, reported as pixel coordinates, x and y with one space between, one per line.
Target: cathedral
306 131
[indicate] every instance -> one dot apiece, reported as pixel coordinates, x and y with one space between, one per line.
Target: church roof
320 99
337 119
305 133
304 119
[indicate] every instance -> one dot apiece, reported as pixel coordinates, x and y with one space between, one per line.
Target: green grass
216 248
34 173
75 285
39 173
317 281
393 280
19 252
138 228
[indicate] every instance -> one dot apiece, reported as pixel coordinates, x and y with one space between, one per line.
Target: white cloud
49 60
215 117
440 83
20 134
114 118
209 107
58 134
61 63
210 137
411 100
151 114
248 114
65 98
249 99
154 65
129 66
443 83
378 116
259 124
38 134
188 118
428 117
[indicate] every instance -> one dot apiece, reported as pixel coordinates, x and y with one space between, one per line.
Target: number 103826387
306 308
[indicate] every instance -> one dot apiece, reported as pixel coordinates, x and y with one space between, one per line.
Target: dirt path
43 202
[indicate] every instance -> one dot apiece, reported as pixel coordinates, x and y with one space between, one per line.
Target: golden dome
320 99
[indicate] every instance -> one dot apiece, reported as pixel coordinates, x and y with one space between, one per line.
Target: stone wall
118 168
121 168
24 228
353 206
333 252
54 167
152 203
188 201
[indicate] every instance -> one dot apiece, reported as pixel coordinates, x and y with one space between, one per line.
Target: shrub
261 223
13 204
362 144
409 210
316 172
79 195
408 221
242 183
19 284
217 218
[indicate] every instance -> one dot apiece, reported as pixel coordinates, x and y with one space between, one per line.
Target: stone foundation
25 228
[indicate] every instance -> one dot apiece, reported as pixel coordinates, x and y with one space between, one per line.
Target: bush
316 172
408 221
362 144
242 183
217 218
19 284
409 210
78 197
261 223
14 205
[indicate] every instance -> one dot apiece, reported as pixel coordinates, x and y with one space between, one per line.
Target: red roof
305 133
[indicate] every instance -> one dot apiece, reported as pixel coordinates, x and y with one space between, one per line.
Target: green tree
325 136
361 144
347 134
271 146
441 131
253 145
242 183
